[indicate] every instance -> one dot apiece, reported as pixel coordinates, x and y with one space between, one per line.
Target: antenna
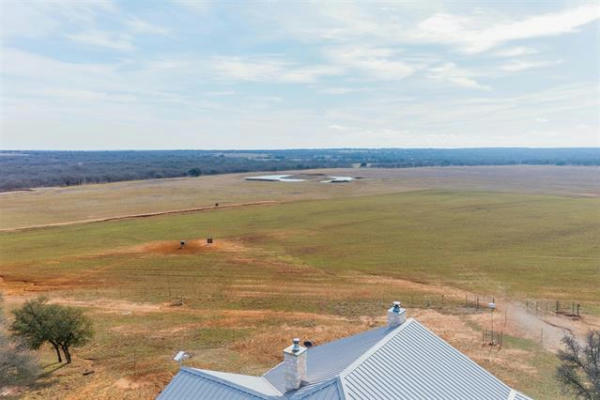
492 307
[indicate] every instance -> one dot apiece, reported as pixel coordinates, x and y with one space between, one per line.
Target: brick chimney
294 360
396 315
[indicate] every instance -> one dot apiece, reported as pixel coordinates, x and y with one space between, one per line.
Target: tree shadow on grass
49 369
47 365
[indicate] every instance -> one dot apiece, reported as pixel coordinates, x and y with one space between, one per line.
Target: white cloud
475 34
387 24
258 69
515 52
140 26
522 65
242 69
341 90
198 6
220 93
310 73
196 90
109 40
38 18
450 72
374 62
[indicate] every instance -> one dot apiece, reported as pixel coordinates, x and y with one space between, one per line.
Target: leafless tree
579 370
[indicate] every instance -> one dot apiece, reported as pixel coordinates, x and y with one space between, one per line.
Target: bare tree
579 370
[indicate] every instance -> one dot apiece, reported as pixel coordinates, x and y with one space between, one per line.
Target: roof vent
396 315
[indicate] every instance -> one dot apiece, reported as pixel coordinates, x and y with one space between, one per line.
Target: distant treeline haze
27 169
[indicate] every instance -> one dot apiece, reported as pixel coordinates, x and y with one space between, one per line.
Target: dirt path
511 316
143 215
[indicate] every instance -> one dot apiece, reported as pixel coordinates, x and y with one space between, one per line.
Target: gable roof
414 363
406 362
329 360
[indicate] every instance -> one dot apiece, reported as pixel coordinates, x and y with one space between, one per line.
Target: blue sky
286 74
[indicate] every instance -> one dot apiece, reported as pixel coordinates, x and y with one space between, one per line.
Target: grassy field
318 269
57 205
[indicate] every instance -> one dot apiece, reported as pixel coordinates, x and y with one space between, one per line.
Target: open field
76 203
319 269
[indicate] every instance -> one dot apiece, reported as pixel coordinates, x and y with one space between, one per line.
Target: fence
472 302
569 309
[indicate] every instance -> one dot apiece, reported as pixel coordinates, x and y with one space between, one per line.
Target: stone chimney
294 360
396 315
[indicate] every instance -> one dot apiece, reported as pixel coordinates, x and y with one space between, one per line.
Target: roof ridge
341 387
320 386
206 375
346 371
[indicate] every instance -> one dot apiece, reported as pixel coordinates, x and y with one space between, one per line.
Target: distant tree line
28 169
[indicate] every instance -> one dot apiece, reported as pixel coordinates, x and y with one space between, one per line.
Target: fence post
557 306
134 362
578 305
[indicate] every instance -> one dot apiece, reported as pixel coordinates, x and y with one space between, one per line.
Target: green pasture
534 246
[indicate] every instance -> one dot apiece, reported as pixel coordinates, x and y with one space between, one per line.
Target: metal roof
405 362
328 390
414 363
193 384
328 360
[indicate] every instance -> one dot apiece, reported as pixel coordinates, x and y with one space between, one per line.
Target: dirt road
143 215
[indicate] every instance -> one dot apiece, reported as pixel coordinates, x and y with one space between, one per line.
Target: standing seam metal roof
414 363
406 362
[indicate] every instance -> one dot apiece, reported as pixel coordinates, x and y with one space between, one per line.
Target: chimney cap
295 344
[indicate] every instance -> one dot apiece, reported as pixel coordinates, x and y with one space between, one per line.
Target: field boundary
142 215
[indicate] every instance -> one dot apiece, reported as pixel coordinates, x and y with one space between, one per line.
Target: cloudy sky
285 74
